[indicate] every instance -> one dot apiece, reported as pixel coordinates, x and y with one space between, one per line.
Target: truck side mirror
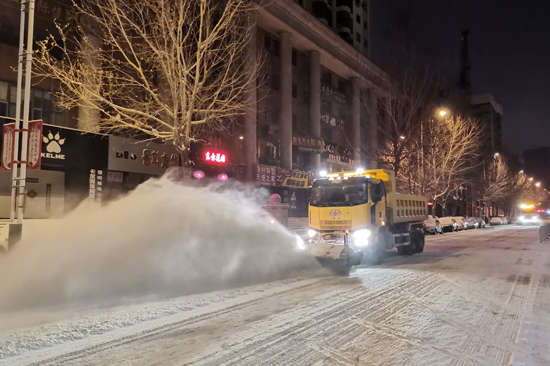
377 193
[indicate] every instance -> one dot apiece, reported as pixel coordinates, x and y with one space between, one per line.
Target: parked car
449 223
499 220
460 223
475 223
480 223
432 225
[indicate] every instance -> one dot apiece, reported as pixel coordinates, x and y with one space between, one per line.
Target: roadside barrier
544 232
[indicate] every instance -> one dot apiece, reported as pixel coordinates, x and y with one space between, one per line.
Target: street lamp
402 137
442 113
497 154
538 184
530 179
521 172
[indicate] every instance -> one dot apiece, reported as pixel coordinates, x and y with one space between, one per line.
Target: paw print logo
54 143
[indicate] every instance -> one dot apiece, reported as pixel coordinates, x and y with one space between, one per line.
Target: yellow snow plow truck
354 216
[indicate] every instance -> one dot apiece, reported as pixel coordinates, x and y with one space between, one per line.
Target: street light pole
19 173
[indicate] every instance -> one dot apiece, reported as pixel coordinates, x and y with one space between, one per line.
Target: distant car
433 226
449 223
498 220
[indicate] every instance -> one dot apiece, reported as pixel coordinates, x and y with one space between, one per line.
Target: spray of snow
163 239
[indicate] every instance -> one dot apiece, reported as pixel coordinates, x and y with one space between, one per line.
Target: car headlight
311 233
521 218
361 237
300 245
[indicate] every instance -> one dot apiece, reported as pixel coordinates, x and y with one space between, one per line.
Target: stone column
285 92
315 101
356 118
372 107
88 113
250 114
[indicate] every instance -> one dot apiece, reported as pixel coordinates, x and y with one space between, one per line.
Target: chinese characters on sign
126 155
34 154
294 179
308 144
335 93
8 146
96 185
214 157
266 175
333 121
151 157
334 153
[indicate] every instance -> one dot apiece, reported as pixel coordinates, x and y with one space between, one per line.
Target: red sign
34 153
214 157
430 203
8 146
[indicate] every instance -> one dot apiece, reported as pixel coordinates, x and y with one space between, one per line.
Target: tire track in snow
338 331
143 335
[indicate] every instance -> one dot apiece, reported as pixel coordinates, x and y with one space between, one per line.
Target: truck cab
355 215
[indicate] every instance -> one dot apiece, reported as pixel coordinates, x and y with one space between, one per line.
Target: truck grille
334 224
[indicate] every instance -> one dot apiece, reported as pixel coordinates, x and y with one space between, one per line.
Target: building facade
347 18
315 102
489 114
316 98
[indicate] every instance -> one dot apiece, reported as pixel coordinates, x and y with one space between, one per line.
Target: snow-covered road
479 297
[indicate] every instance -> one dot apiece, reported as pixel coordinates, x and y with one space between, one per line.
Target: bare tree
447 157
174 71
498 182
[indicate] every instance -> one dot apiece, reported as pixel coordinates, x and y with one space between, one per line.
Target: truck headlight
300 243
361 237
311 233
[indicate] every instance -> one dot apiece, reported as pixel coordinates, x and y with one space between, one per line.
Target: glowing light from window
215 157
198 174
222 177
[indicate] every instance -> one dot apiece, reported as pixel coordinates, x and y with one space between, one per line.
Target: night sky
509 46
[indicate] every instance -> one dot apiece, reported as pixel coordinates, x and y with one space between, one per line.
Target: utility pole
19 173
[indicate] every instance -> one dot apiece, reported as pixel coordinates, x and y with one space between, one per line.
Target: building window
358 19
294 58
326 106
294 123
294 91
273 81
366 43
4 87
358 37
41 105
365 25
271 45
327 78
299 2
272 116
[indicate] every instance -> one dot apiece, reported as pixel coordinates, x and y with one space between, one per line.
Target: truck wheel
418 240
410 249
401 250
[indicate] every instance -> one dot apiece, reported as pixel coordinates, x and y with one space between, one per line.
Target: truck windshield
339 195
